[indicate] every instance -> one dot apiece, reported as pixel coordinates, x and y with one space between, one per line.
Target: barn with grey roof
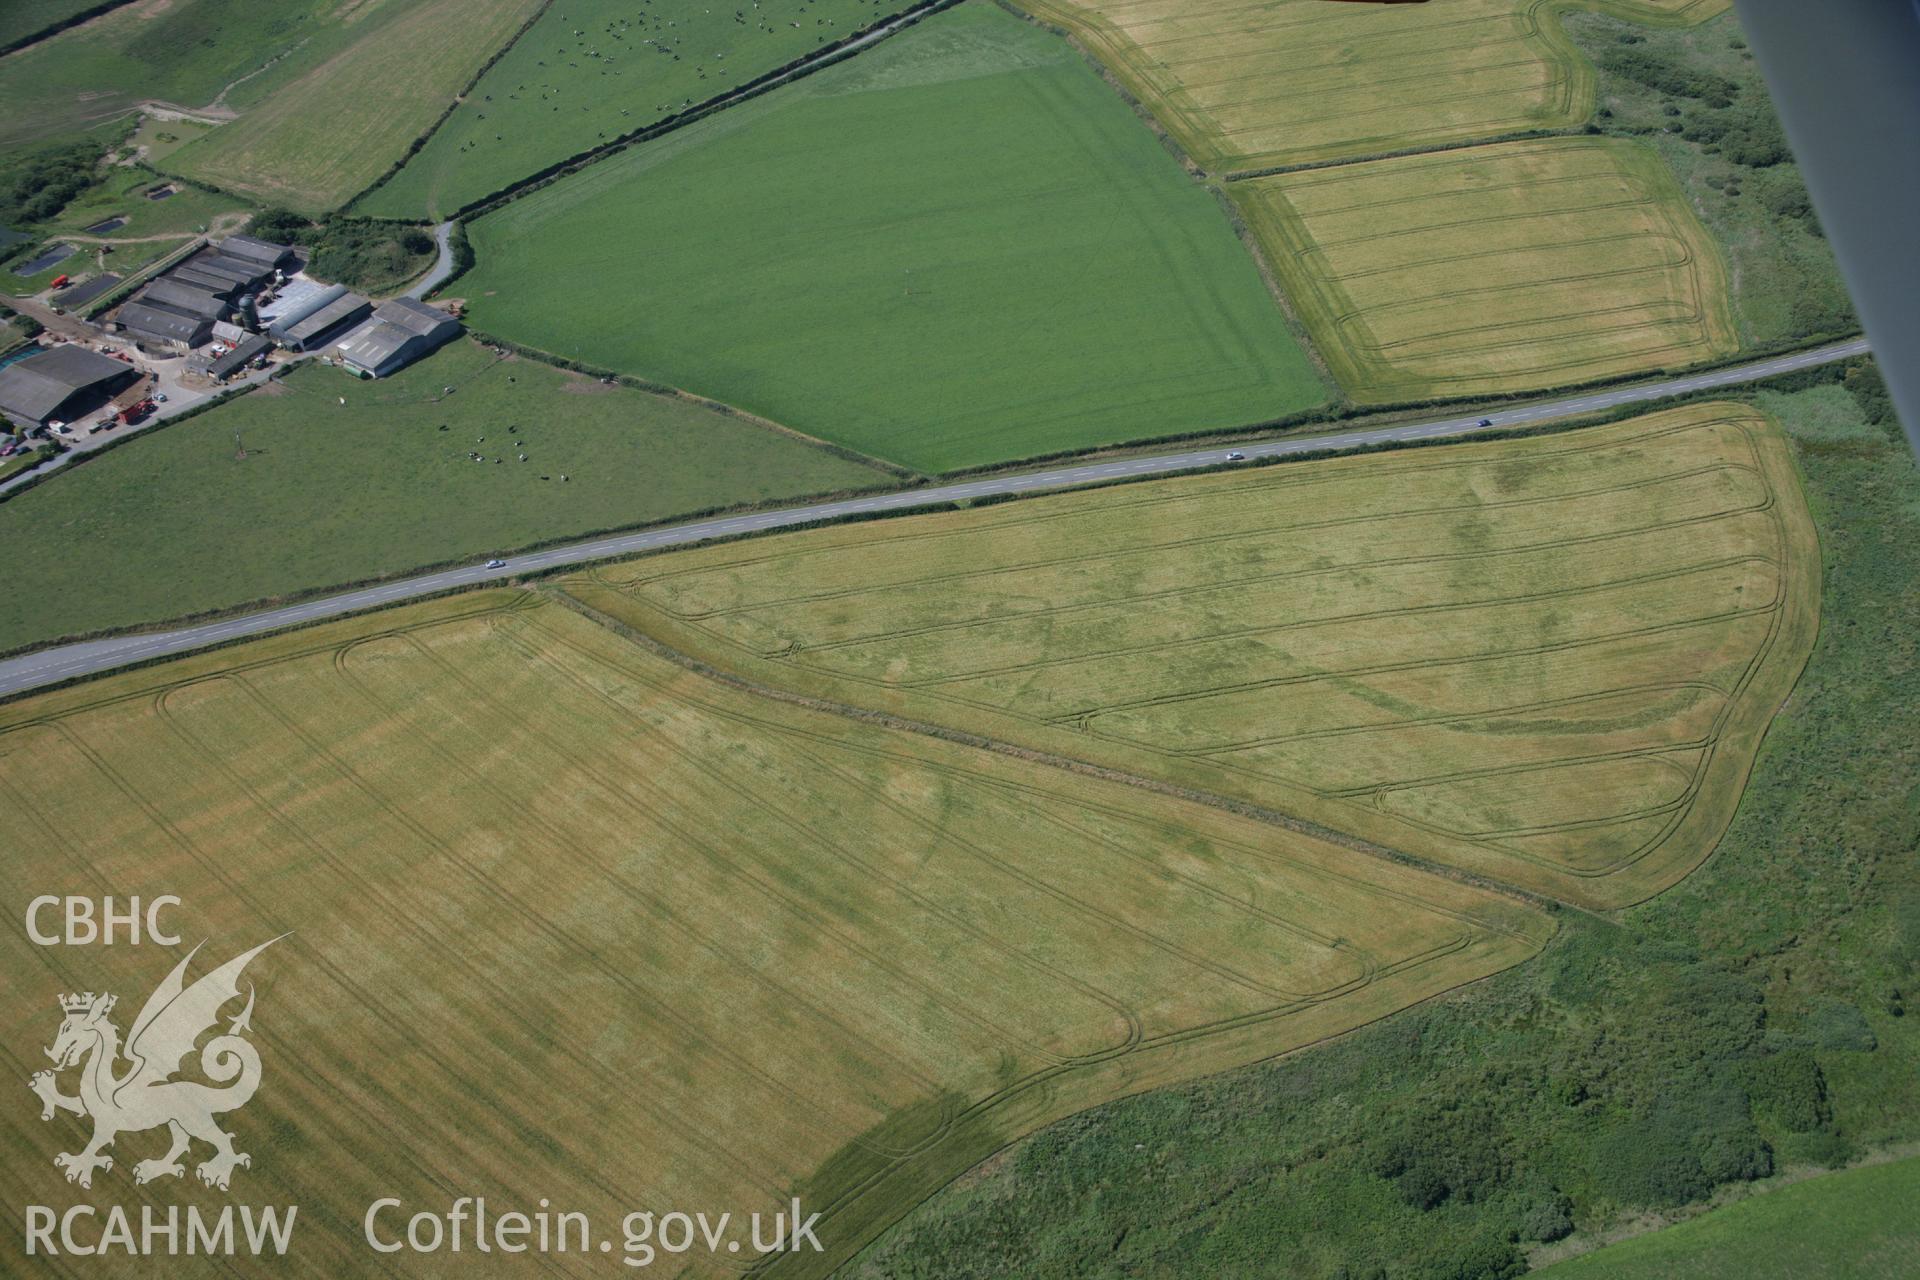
219 286
60 385
167 292
156 325
401 331
253 249
324 323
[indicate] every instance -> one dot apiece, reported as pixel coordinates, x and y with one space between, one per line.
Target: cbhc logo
84 924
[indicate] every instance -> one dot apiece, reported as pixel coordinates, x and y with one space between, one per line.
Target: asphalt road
66 662
442 266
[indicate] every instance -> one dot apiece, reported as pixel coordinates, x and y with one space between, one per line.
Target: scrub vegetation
173 523
957 249
1696 96
1549 660
376 258
628 939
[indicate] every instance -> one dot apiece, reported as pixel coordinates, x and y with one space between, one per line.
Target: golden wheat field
1485 270
569 921
1549 660
1245 87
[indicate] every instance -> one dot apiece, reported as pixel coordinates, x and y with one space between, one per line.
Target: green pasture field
593 70
158 139
1512 267
188 212
1549 660
1304 81
186 52
627 939
1855 1225
172 524
957 249
326 135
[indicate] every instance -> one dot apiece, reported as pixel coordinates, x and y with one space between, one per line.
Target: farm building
171 293
319 327
274 257
316 316
218 286
400 332
298 297
238 272
220 368
60 385
156 325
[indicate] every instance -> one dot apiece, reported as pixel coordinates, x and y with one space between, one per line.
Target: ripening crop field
959 248
1549 660
1512 267
591 71
571 922
1303 81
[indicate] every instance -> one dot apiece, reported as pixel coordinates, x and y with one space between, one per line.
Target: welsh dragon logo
144 1095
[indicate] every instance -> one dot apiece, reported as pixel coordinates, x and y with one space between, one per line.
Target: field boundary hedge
413 148
65 24
791 73
717 406
80 459
1348 413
